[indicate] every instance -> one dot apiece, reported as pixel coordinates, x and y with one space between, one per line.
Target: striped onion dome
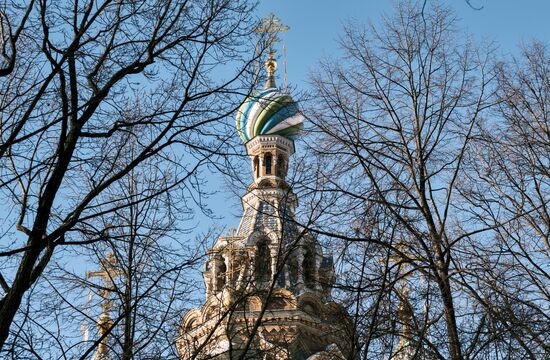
269 112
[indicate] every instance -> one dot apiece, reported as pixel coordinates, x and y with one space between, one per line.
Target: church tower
268 284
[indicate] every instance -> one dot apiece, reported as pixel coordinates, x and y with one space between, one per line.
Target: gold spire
270 27
104 323
404 310
107 275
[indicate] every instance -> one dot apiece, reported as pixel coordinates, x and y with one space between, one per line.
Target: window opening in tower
268 160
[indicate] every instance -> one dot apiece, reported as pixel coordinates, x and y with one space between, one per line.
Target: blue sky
316 24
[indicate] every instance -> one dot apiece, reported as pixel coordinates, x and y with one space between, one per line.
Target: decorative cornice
270 140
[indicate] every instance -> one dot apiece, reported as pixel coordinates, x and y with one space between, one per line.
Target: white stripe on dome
288 122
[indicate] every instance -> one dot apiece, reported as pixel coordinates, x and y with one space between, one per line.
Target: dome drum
269 155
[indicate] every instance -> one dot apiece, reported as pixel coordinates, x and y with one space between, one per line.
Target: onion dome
269 112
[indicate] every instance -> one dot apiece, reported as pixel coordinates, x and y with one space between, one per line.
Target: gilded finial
270 27
270 67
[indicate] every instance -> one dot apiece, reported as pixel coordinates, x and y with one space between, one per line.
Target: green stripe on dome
268 111
279 117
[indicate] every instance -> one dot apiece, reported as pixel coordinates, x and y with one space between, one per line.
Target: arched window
253 304
293 271
263 261
309 308
257 166
278 303
308 267
268 160
221 270
191 324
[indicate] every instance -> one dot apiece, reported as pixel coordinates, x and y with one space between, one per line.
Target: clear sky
316 24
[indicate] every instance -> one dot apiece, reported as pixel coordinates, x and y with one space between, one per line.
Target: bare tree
394 118
9 35
150 288
509 192
89 78
142 263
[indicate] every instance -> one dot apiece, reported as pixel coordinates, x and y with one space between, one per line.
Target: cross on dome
271 26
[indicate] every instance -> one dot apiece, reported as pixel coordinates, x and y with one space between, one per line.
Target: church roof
269 112
261 216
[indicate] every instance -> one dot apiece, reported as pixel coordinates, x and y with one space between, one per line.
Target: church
268 284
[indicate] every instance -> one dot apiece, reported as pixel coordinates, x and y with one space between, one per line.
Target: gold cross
107 275
399 260
109 272
404 310
401 246
271 26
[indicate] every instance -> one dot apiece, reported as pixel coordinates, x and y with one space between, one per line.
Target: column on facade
300 283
